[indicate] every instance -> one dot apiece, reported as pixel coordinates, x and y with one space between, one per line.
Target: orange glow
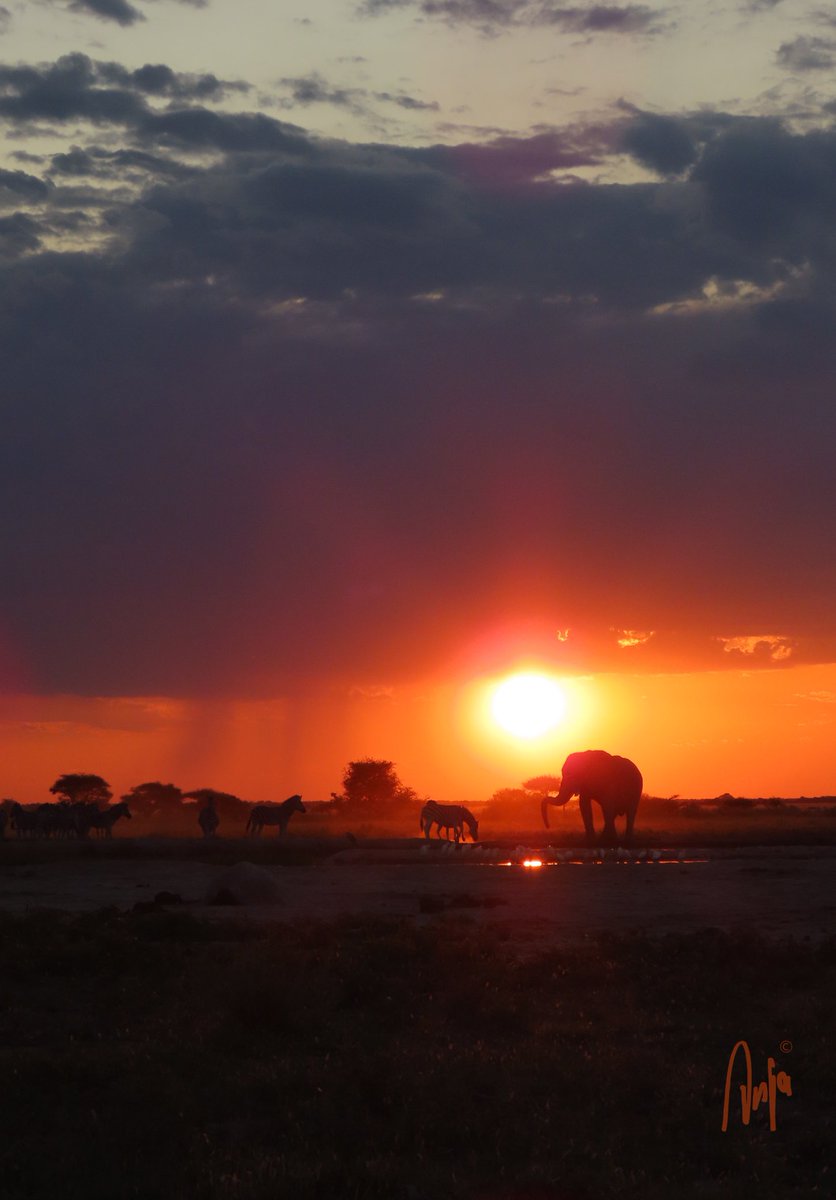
532 862
528 704
756 733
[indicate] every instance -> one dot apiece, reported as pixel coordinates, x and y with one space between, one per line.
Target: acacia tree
371 785
227 806
154 799
83 789
507 803
516 804
544 785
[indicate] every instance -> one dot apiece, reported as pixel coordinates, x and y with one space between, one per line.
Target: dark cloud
313 89
25 156
67 90
309 406
156 79
412 103
5 18
125 165
765 185
109 10
603 18
19 233
507 160
203 129
21 186
494 15
476 12
664 144
119 11
76 87
807 54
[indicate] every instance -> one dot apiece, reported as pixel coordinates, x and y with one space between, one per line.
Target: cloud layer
493 16
281 405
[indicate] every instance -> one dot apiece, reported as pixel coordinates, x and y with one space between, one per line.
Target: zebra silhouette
448 816
274 814
208 820
104 820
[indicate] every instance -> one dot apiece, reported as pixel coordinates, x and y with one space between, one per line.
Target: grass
158 1056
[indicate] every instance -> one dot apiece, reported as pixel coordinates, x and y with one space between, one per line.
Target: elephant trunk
560 800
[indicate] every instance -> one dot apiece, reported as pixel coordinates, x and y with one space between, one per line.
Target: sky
355 355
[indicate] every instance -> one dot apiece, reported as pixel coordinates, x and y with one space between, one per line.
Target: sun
528 704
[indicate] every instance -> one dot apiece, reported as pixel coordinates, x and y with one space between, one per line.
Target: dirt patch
548 905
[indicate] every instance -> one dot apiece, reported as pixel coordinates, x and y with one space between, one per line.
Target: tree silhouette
227 806
82 789
371 785
544 784
508 803
152 799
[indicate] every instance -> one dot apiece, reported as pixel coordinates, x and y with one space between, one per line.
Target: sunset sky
357 355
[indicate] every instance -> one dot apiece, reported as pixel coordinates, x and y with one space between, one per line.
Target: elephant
614 782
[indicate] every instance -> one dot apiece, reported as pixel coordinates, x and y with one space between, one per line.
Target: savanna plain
406 1020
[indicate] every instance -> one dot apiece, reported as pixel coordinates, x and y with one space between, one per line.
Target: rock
245 883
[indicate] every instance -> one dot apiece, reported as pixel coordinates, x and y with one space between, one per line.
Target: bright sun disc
528 705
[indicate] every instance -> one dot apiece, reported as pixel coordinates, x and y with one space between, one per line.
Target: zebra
65 820
208 820
103 820
274 814
28 820
448 816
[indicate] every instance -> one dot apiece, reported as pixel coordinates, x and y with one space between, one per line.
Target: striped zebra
448 816
274 814
103 820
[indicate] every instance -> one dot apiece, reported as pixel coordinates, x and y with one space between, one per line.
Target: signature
751 1097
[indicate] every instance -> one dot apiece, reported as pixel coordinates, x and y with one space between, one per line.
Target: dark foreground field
157 1055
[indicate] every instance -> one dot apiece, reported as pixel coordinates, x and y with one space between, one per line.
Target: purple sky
286 399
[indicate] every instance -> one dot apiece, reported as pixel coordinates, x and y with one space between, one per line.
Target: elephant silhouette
614 783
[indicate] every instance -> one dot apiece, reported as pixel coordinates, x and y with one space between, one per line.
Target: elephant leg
586 814
631 816
610 835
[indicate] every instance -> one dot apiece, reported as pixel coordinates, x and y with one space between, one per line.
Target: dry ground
774 891
413 1031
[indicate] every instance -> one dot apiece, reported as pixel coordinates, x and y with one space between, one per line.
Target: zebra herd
60 820
77 820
